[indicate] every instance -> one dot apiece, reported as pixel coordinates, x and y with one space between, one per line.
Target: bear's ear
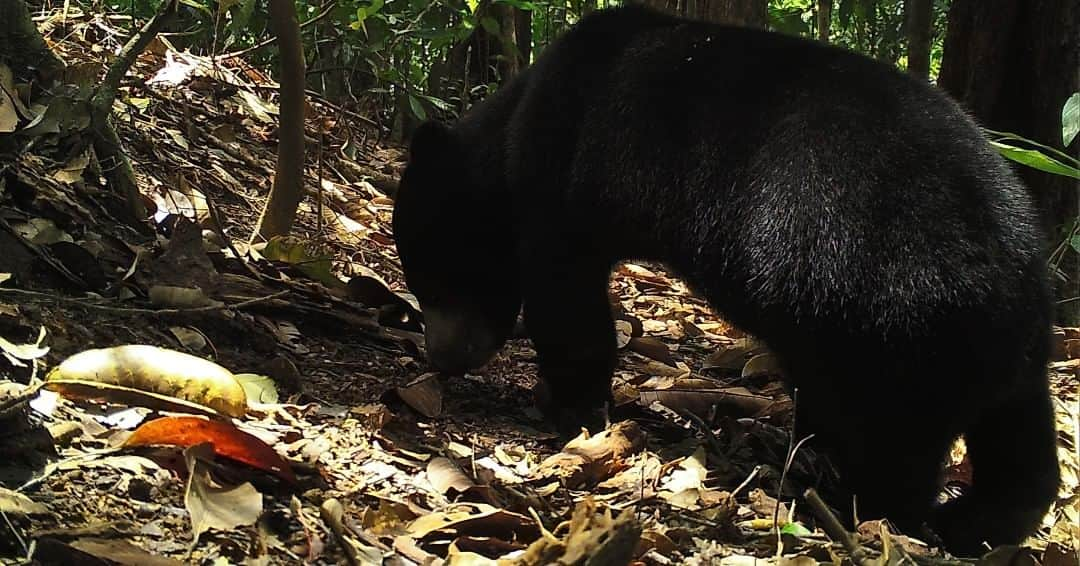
429 141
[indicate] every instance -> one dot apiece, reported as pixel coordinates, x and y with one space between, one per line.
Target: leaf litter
325 440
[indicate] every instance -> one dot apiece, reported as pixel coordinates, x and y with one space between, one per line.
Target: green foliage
407 57
1070 119
1034 154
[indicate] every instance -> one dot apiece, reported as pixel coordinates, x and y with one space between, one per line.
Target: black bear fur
852 217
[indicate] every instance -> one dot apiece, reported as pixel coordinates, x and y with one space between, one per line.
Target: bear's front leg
569 321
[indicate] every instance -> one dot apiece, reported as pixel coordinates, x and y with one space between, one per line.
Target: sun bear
849 215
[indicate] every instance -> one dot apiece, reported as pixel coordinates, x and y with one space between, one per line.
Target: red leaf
228 441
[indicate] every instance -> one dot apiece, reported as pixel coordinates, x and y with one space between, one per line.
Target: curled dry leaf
733 356
225 439
444 476
424 394
623 333
735 401
591 459
475 520
26 352
765 363
214 506
150 376
593 538
652 348
13 503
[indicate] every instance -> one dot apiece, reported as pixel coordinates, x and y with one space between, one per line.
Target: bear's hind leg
1013 454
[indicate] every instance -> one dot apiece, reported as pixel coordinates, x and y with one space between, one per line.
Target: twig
138 310
746 482
835 530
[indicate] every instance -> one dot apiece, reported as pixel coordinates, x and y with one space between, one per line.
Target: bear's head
457 250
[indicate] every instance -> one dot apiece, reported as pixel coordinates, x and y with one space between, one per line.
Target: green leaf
417 107
438 102
795 529
472 5
1070 119
305 256
1075 243
1036 160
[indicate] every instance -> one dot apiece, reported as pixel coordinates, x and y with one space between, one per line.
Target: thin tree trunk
288 188
917 25
824 19
510 63
523 26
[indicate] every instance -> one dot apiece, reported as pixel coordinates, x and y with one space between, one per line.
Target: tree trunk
523 26
917 25
1013 63
509 64
824 20
288 188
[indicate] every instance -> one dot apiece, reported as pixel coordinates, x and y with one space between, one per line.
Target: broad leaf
1070 119
1036 160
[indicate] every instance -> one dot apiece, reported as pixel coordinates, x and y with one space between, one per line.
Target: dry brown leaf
735 401
150 376
424 394
591 459
211 505
623 333
477 520
444 476
765 363
594 538
18 505
732 356
652 348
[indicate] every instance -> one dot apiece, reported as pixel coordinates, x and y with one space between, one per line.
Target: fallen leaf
72 171
593 538
591 459
189 338
152 376
652 348
258 388
19 505
121 552
213 506
224 439
475 519
424 394
732 356
179 297
445 476
735 401
17 353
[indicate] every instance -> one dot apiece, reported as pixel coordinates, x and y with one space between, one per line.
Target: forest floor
374 460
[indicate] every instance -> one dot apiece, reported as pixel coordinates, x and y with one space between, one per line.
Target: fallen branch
835 530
